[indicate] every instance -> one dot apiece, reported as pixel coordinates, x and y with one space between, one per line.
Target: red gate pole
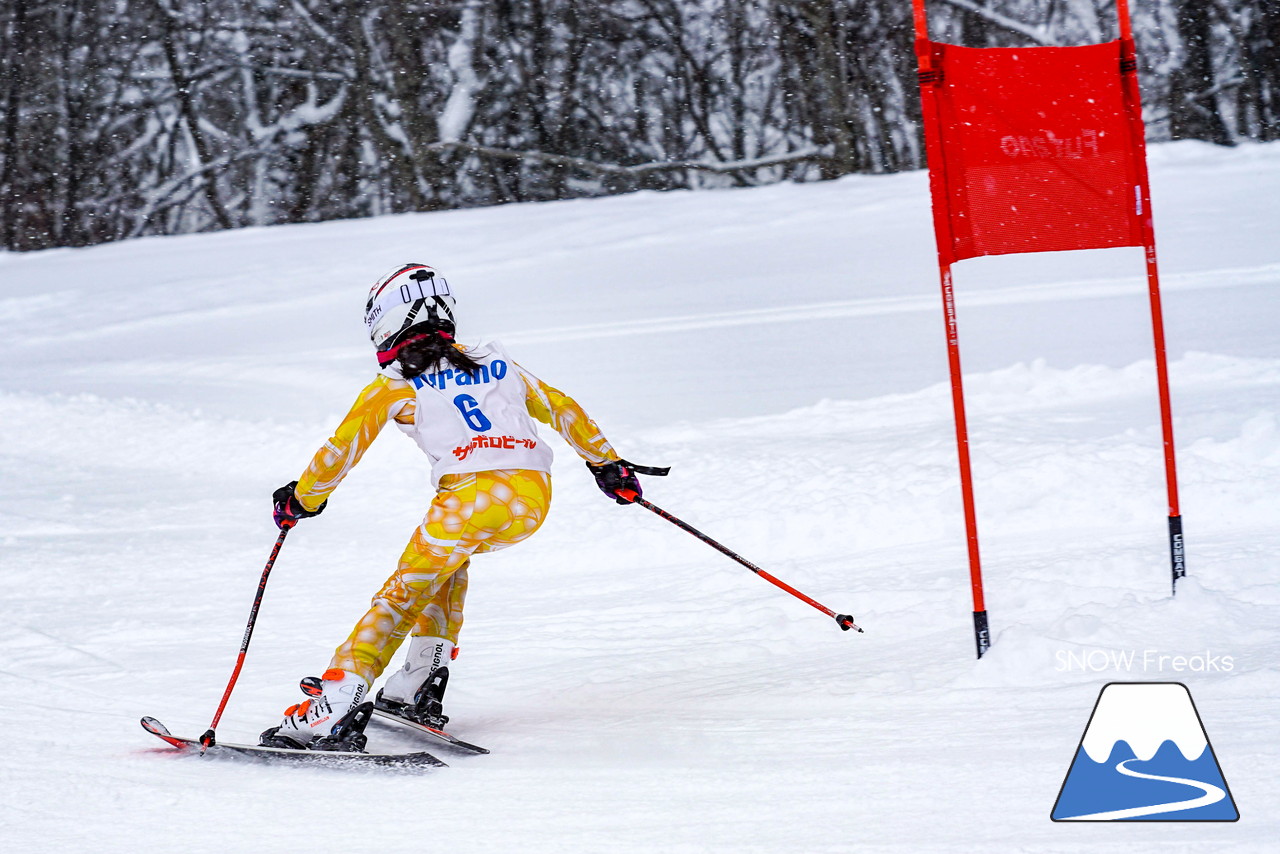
930 80
1142 201
981 634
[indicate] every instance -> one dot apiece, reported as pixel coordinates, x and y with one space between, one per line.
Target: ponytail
430 351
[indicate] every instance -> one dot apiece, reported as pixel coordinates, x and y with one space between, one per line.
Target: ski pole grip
629 494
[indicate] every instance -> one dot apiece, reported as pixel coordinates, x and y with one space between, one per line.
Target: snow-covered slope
782 349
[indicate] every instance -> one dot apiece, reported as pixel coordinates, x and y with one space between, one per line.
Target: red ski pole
206 740
845 621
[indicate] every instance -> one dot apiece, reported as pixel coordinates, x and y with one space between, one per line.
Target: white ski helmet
410 300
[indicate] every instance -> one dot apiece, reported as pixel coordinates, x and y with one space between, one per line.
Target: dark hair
419 357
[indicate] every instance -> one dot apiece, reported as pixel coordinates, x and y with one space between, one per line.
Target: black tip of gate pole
981 634
1177 553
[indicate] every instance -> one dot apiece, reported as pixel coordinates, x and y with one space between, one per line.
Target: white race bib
469 422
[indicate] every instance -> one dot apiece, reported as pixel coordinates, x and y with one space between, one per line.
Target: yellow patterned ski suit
472 513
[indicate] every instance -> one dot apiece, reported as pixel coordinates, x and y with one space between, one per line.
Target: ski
271 754
445 739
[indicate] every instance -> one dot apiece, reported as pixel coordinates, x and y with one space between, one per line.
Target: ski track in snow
781 349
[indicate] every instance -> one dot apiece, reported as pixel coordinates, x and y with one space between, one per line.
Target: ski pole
206 740
845 621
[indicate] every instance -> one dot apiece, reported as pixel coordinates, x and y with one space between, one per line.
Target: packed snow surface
782 349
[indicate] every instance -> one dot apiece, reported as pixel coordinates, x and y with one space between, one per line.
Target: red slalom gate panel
1036 150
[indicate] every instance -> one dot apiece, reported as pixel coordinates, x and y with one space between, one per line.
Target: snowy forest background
125 118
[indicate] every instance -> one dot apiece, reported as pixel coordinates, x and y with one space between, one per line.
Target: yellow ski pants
471 514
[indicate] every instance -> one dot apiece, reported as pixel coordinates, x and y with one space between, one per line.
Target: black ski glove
615 476
287 509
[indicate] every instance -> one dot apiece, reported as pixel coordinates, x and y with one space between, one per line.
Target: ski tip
161 732
154 727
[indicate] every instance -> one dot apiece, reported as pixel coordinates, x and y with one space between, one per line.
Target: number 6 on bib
471 413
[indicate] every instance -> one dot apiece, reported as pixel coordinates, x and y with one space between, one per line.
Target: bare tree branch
1036 34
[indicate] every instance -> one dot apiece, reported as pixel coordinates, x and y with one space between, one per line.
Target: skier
471 410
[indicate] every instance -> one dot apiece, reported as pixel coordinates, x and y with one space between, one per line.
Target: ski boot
416 691
331 708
